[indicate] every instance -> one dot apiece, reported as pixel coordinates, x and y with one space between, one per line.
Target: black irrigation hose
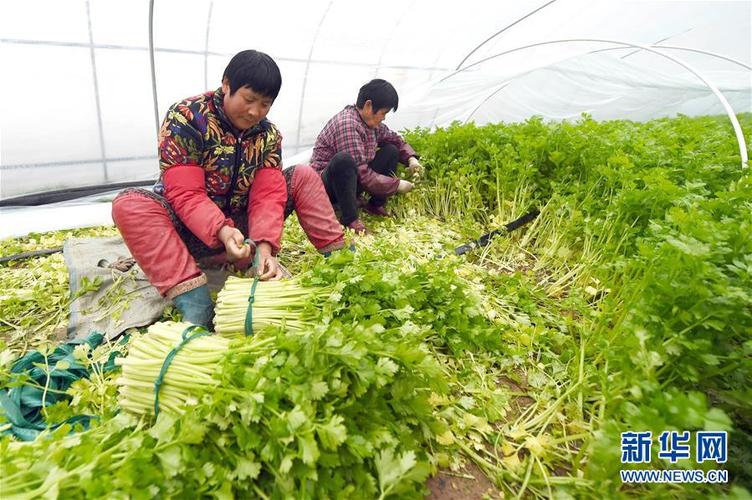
32 200
26 255
483 240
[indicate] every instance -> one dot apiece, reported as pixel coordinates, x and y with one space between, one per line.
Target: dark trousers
341 179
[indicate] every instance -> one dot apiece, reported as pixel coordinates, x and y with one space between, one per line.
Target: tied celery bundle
189 373
276 303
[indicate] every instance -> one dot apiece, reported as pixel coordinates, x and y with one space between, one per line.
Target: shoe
358 227
377 210
196 306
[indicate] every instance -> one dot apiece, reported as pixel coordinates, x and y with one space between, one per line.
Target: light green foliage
646 232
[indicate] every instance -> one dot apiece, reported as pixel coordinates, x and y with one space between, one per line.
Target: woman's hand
234 242
268 267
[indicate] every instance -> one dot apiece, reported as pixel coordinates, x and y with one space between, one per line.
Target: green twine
252 296
171 355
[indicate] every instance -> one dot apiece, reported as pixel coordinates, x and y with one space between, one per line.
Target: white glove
404 187
414 168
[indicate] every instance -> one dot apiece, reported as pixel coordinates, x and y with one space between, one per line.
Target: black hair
381 93
254 69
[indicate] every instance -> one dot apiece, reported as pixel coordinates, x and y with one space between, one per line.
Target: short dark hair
254 69
381 93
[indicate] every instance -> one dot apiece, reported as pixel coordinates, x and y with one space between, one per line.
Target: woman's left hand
268 267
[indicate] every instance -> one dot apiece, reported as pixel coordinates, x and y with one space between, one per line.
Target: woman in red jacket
221 179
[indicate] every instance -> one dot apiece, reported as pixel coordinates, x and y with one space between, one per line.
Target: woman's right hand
234 242
404 186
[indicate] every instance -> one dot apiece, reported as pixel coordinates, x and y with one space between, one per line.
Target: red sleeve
376 183
186 194
266 207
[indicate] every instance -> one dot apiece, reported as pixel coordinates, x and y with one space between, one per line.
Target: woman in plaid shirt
356 152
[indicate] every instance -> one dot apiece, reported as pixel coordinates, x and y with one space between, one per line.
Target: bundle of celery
276 303
189 373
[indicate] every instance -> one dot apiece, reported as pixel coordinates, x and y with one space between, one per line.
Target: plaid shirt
347 132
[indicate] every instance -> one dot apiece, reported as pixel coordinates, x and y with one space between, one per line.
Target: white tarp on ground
78 107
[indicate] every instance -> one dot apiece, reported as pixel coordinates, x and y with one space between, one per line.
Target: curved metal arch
659 41
481 44
713 54
206 45
151 63
97 102
687 49
391 37
502 87
727 107
305 75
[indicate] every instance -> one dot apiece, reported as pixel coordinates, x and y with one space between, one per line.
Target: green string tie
202 332
252 296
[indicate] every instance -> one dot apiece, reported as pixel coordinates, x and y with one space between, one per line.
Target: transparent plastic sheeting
79 111
88 211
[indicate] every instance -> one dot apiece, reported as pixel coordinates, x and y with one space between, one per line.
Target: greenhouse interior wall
83 111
